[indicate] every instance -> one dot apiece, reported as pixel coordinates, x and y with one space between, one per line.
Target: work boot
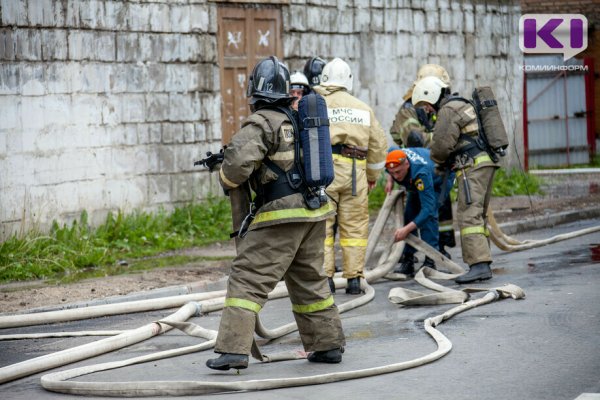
331 285
228 360
333 356
477 272
428 263
353 286
407 265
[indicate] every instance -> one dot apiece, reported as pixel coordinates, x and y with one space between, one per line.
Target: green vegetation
515 182
69 252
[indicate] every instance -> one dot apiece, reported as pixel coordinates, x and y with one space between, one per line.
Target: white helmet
298 81
428 90
337 73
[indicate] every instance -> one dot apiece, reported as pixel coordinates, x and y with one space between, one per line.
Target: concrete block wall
385 42
104 106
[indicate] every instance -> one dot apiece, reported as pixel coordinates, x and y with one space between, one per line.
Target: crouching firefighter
286 234
458 144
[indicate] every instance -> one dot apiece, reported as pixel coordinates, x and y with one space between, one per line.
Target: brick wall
105 104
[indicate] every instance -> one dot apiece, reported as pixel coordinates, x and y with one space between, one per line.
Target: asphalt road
546 346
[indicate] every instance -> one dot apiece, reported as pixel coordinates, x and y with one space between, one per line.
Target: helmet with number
299 81
269 82
428 90
313 69
433 70
337 73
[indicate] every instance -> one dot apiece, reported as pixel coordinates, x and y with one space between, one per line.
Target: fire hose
58 381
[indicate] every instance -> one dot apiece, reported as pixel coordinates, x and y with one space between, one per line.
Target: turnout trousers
472 219
294 252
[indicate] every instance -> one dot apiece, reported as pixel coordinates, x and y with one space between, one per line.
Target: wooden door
245 36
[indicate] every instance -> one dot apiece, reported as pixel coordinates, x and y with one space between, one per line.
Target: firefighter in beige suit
285 239
359 149
454 145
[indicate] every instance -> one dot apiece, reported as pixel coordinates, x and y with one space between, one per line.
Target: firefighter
413 169
359 148
413 127
454 146
285 238
298 87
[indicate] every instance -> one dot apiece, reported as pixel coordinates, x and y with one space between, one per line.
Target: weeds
66 250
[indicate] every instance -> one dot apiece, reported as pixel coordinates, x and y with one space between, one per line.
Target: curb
549 220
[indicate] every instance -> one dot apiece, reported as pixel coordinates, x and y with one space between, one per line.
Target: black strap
282 186
337 148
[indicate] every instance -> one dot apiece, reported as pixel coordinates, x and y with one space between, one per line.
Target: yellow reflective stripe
411 121
446 228
291 213
329 241
487 232
227 181
482 158
242 303
380 165
353 242
342 158
471 230
314 307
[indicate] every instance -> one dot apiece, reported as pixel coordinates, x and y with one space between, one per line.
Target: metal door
245 35
558 111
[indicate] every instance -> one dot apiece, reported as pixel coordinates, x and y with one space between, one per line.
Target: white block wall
105 104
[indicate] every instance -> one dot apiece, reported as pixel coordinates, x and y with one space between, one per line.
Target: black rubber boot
333 356
353 286
477 272
331 285
227 361
428 263
407 265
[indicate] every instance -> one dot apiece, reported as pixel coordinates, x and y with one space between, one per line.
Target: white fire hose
213 301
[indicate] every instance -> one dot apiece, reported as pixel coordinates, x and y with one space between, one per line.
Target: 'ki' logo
553 33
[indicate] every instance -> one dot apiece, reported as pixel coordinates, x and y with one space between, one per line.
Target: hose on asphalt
213 301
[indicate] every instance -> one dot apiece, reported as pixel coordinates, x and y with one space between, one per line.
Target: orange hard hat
395 158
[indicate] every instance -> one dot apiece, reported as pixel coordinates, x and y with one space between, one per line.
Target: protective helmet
337 73
298 81
428 89
269 81
313 69
395 158
429 70
433 70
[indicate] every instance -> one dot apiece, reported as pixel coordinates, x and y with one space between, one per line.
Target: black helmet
269 82
313 69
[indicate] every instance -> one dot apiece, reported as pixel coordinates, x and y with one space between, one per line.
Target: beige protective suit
454 119
351 123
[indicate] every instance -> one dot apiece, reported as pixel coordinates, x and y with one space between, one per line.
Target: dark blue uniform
423 187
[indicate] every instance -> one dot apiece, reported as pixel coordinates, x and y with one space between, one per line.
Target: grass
66 252
124 243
